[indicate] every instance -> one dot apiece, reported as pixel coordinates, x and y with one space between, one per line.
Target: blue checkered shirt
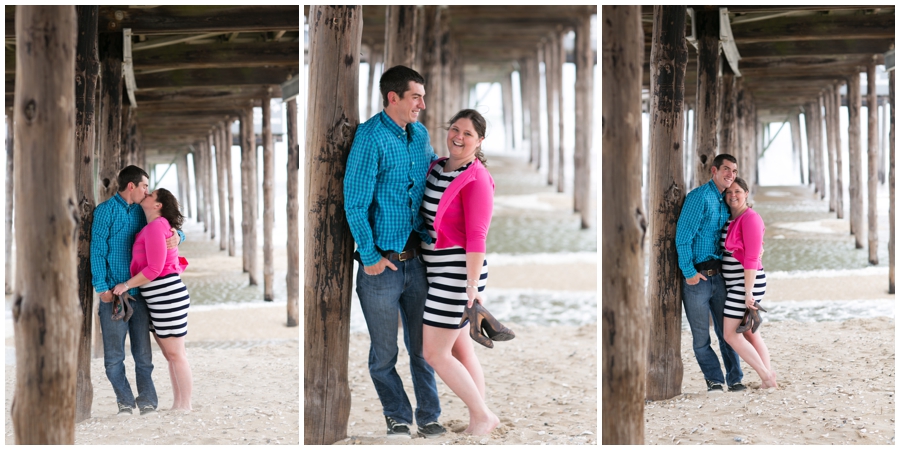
384 183
116 223
699 227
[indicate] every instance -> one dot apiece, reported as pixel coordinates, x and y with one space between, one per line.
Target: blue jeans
381 297
114 331
700 300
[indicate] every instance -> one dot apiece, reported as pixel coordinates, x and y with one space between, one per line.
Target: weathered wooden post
110 123
872 176
248 171
827 100
550 81
820 148
624 226
208 177
229 178
668 62
268 200
197 158
45 310
185 182
561 167
375 57
506 93
431 116
838 156
246 145
87 67
584 122
728 122
796 142
293 221
10 198
707 19
221 184
333 115
400 35
892 168
534 109
854 103
812 171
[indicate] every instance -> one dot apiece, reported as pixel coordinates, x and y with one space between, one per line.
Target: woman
457 206
745 279
156 271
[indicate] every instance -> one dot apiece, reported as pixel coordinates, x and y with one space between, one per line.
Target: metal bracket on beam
726 38
889 61
128 66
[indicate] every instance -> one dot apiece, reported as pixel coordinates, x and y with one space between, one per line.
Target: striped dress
446 268
168 301
733 273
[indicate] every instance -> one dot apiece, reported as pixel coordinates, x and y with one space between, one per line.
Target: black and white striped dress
446 268
733 273
168 301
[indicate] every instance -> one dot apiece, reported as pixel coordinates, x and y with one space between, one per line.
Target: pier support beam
87 68
838 155
268 201
624 305
550 86
10 198
828 103
728 122
221 185
249 193
854 102
892 168
184 183
45 311
293 220
328 281
400 36
506 93
707 92
561 60
584 119
872 177
668 62
229 180
797 143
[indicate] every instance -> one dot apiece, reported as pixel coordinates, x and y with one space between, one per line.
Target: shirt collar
394 128
122 202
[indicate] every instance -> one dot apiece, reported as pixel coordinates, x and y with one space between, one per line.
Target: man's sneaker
396 429
737 387
124 409
714 388
431 430
147 409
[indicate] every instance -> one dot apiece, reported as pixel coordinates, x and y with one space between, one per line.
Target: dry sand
245 365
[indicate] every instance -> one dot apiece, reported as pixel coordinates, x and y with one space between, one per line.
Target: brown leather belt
709 272
404 256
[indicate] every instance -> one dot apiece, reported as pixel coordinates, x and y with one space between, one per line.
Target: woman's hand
748 300
473 295
119 289
173 241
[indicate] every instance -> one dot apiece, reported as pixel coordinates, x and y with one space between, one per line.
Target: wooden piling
534 109
293 221
196 157
560 61
400 35
808 116
221 184
796 143
10 198
707 25
185 182
820 148
854 102
584 95
229 181
624 305
728 117
333 88
247 143
248 168
431 116
550 82
872 176
506 93
668 62
46 314
110 123
268 201
892 168
828 101
838 155
373 103
209 177
87 68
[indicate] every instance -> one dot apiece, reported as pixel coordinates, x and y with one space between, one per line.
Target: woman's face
150 201
735 196
462 139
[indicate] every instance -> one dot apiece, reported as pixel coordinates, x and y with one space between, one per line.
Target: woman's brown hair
170 209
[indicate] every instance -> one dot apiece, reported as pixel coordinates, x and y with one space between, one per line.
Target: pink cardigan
149 255
744 239
464 212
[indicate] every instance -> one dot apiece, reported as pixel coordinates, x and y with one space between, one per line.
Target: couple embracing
420 223
719 239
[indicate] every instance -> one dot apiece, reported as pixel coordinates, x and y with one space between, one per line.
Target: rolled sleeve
685 231
100 248
359 189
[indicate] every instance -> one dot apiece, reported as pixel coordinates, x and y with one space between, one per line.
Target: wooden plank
812 48
45 309
218 55
214 77
199 19
814 27
195 95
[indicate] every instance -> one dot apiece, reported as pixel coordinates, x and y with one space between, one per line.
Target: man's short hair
717 163
396 79
130 174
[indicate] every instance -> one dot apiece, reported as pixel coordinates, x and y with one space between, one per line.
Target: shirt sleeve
478 206
687 228
359 189
155 248
753 229
100 248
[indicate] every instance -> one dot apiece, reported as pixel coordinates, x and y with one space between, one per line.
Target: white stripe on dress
167 300
733 273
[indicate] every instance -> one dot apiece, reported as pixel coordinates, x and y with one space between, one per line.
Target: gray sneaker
124 409
147 409
396 429
714 388
431 430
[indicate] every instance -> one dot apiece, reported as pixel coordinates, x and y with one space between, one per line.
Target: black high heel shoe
484 328
751 320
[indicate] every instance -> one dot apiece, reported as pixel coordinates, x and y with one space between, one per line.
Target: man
700 259
383 187
116 222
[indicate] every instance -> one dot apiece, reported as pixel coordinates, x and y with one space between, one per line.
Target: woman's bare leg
747 352
176 392
756 340
181 369
437 344
464 351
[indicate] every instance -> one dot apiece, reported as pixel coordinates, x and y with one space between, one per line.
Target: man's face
724 175
139 193
410 104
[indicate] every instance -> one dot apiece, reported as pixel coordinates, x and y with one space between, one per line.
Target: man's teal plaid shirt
384 183
699 227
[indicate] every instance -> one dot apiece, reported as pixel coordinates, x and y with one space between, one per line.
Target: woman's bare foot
483 427
769 382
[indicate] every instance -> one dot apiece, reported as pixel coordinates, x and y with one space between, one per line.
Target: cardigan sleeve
155 235
752 229
478 206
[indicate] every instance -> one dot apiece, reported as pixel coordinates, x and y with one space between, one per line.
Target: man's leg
139 333
412 305
114 332
732 361
696 308
379 298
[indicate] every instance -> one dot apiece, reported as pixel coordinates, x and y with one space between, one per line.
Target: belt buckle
710 272
400 257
